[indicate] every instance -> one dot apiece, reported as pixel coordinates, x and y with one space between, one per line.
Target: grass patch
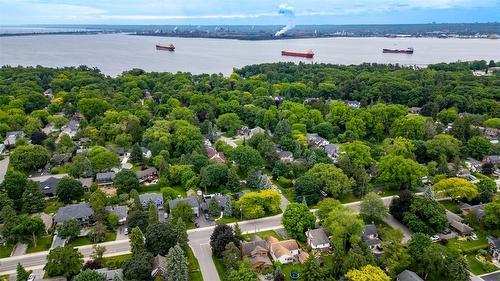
289 193
263 234
115 261
238 142
52 205
476 266
226 220
194 267
43 244
6 250
220 268
349 198
388 192
85 240
451 206
468 246
289 267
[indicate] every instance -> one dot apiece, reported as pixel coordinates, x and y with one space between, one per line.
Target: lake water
115 53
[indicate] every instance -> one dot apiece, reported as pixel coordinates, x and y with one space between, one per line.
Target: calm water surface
115 53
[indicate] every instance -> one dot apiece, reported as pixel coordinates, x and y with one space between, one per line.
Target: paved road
495 276
228 141
4 164
198 240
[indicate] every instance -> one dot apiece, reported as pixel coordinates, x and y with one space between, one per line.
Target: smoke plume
289 14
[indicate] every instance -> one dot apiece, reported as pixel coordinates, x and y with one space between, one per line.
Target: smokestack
289 14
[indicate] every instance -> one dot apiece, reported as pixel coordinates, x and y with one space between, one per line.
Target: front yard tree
344 226
152 213
5 201
29 157
125 181
231 257
177 265
98 232
138 267
89 275
247 158
102 159
373 208
213 208
21 273
397 172
182 210
33 199
367 273
14 183
29 228
309 187
159 239
136 241
63 261
222 235
297 219
138 218
69 189
332 179
213 176
426 216
180 231
69 229
456 188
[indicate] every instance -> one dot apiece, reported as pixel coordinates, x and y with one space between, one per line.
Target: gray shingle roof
148 197
120 211
48 186
148 172
103 177
194 203
75 211
408 275
318 236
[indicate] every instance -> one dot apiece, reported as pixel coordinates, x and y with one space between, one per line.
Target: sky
251 12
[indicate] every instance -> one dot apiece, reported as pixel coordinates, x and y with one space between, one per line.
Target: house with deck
283 251
317 239
371 237
257 252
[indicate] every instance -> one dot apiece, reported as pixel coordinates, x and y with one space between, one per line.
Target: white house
283 251
317 239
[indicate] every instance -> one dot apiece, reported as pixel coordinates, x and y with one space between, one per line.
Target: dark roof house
81 212
408 275
191 200
156 198
48 186
120 211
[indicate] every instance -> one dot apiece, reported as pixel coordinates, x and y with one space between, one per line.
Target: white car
435 238
31 277
473 236
125 231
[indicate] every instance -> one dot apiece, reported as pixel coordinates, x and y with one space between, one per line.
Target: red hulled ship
398 51
308 54
169 47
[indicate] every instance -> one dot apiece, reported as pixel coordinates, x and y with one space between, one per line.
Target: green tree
478 147
182 210
245 273
65 261
136 241
373 208
138 267
332 179
397 172
98 232
125 181
21 273
221 236
180 231
410 126
492 123
297 219
213 208
177 265
447 115
5 201
33 199
247 158
136 154
257 204
311 270
152 213
29 157
417 245
309 187
14 184
456 188
98 253
213 176
159 239
92 107
229 122
358 153
89 275
492 215
426 216
233 179
69 229
138 218
231 257
102 159
395 257
443 144
237 232
344 226
69 189
29 228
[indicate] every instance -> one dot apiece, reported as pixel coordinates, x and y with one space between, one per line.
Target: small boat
398 51
308 54
169 47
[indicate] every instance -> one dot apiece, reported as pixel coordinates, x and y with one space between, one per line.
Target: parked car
435 238
473 236
125 231
446 231
31 277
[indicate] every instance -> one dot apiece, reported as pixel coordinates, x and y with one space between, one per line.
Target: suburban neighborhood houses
278 172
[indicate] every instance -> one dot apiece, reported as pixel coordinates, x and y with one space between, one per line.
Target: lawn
289 267
220 268
85 240
349 198
43 244
466 246
226 220
289 194
451 206
52 205
263 234
115 261
194 267
476 266
6 250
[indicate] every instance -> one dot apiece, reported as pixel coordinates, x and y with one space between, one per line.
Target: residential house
105 179
477 210
461 228
61 159
148 175
317 239
249 133
257 251
492 159
333 151
86 183
159 267
311 100
491 133
353 104
473 165
302 256
120 211
370 236
146 153
215 156
285 156
49 94
48 186
415 110
111 274
81 212
279 99
314 140
120 151
12 137
156 198
408 275
221 201
494 247
71 129
191 200
283 251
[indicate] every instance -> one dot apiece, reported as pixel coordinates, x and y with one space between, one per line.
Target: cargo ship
169 47
398 51
308 54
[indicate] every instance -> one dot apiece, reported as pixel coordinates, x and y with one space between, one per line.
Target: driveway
229 141
4 164
120 233
19 250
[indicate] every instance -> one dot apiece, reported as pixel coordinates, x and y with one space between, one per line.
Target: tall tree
456 188
332 179
180 231
21 273
14 183
69 189
33 199
397 172
136 154
29 228
125 181
89 275
136 241
297 219
231 257
177 265
69 229
159 239
65 261
311 270
373 208
138 267
152 213
221 236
